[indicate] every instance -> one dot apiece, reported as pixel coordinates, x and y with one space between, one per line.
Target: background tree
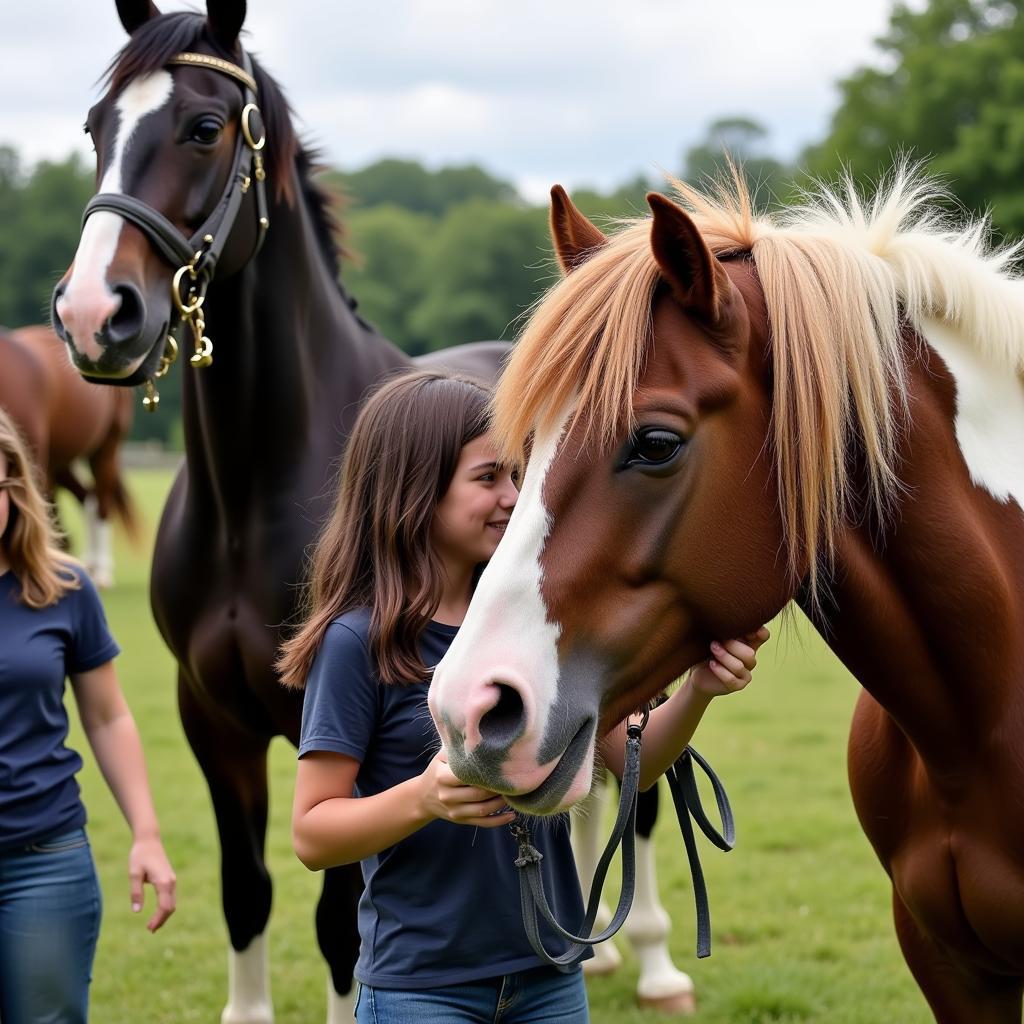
951 89
487 263
744 141
40 214
410 185
387 272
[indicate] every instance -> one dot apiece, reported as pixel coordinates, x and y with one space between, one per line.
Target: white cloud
569 91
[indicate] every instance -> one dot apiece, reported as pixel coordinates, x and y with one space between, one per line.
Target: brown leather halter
195 258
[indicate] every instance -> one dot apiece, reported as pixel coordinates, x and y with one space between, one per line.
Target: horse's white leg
99 544
91 514
249 985
661 985
340 1009
586 846
104 572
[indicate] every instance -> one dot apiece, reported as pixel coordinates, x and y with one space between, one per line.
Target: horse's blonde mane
842 278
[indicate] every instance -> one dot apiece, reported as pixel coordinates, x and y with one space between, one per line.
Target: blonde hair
842 278
31 540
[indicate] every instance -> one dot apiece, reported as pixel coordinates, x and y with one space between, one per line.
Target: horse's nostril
127 321
504 723
55 318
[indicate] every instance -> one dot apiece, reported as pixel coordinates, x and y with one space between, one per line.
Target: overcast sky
576 91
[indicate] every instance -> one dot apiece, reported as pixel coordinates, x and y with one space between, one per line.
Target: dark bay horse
64 418
728 412
194 136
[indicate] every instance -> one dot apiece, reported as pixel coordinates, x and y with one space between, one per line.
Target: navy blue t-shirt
441 907
39 648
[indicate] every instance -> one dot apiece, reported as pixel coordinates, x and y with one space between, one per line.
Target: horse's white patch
506 631
99 544
249 985
88 302
989 413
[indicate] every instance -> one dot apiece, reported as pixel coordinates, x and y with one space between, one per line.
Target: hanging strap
531 884
686 799
685 796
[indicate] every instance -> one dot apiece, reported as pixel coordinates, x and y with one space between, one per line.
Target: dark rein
195 258
686 798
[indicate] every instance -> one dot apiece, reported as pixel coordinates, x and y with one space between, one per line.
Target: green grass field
800 908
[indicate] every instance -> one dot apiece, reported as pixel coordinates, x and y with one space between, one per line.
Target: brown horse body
932 627
65 419
667 503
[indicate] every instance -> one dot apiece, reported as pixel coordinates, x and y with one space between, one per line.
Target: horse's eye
654 446
206 130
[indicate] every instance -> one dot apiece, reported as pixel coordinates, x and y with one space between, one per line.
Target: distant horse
728 412
64 418
195 139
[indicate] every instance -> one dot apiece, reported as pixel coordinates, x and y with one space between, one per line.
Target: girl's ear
576 238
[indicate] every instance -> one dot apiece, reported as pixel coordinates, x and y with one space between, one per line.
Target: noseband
195 258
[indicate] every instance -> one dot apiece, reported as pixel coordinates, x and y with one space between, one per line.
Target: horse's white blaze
249 985
88 302
989 413
506 633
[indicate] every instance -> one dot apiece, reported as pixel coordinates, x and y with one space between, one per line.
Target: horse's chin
568 782
116 366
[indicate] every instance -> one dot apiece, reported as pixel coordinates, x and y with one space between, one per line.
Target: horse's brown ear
225 18
684 258
134 13
574 236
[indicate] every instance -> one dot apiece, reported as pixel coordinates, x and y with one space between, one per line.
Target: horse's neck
931 618
290 364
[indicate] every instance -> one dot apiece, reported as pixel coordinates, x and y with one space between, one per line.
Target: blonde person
422 504
52 628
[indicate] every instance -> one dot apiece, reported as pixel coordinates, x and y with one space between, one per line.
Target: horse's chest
221 606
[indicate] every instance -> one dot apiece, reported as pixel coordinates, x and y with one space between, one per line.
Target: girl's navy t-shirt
441 907
39 649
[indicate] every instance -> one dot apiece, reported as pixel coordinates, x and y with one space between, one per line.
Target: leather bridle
195 258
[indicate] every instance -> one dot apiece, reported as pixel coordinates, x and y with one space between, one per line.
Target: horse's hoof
253 1014
103 578
682 1003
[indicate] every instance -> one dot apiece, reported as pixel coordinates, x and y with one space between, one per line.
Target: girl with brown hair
422 504
52 627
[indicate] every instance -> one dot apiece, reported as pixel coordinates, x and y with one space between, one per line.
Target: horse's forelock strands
583 345
844 281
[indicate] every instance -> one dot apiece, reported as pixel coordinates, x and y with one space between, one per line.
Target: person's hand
445 797
147 862
730 666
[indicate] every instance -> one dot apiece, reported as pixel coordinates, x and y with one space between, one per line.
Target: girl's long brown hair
30 541
375 550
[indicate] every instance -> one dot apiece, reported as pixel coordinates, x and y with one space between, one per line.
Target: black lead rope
686 798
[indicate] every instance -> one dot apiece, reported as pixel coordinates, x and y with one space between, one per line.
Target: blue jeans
50 908
541 995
